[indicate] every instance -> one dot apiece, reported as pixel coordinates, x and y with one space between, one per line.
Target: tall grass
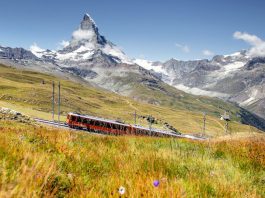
45 162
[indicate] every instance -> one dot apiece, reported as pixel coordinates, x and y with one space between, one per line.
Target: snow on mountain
231 67
200 92
114 51
36 50
149 65
86 41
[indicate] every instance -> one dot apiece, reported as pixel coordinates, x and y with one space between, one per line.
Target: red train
111 127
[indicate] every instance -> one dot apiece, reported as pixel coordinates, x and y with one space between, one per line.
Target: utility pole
150 124
53 101
204 123
226 126
227 118
59 101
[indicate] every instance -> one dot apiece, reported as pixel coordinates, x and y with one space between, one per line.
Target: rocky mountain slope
91 57
87 55
237 78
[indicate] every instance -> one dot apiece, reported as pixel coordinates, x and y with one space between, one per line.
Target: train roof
115 122
99 119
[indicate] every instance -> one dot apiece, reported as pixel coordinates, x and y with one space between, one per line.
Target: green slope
24 91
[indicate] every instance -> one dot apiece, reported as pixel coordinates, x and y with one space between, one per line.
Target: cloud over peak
207 52
183 48
256 43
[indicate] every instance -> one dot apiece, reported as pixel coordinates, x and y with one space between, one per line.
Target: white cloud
184 48
83 34
64 43
257 44
207 53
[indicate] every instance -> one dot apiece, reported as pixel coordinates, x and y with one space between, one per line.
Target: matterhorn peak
87 42
87 17
88 23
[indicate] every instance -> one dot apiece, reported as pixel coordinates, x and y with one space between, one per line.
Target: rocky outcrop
9 114
16 53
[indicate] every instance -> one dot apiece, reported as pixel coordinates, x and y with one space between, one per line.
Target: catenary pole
59 101
53 101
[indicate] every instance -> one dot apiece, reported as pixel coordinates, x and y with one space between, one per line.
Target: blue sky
150 29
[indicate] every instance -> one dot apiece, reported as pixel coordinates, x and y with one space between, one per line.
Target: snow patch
249 101
116 52
253 97
149 65
36 50
200 92
227 69
236 54
233 67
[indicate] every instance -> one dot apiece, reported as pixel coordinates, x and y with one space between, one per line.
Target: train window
73 118
68 116
84 120
115 126
108 125
97 123
78 119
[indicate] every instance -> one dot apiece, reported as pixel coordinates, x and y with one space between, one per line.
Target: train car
111 127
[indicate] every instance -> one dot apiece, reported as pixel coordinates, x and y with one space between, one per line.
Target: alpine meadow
176 109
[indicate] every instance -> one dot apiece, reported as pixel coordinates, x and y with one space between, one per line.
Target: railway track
62 125
65 126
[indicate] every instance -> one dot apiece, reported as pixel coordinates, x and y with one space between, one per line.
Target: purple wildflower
156 183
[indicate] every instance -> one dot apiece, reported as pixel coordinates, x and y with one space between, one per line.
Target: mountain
90 57
237 78
86 45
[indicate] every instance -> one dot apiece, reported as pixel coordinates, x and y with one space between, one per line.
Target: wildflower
22 137
121 190
70 176
156 183
164 179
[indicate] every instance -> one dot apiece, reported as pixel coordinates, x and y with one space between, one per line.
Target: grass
36 161
23 91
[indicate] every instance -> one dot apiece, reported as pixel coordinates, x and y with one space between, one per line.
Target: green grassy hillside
24 91
44 162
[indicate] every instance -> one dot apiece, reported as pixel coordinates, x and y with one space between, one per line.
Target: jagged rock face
87 35
255 62
236 77
16 53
